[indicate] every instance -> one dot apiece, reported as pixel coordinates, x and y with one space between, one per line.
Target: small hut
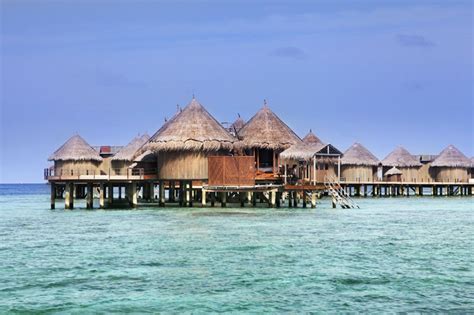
451 165
184 143
265 136
76 157
408 164
358 164
123 161
314 161
472 167
393 175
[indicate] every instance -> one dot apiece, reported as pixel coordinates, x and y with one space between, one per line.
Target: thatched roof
400 157
357 154
301 151
311 138
128 152
75 149
393 171
451 157
193 129
265 130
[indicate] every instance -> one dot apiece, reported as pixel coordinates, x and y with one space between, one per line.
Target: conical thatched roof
451 157
393 171
357 154
128 152
400 157
312 138
265 130
75 149
193 129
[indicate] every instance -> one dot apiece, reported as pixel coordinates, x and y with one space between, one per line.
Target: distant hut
183 144
394 175
408 164
236 126
314 160
472 167
358 164
311 138
123 160
451 165
76 157
265 135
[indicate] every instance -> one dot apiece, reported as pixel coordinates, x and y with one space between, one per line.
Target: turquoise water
392 255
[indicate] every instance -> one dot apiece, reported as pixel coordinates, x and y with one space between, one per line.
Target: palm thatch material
193 129
301 151
265 130
451 157
128 152
75 149
393 171
311 138
357 154
400 157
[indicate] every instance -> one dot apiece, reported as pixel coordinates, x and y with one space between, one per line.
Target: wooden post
254 199
133 194
314 170
223 199
289 199
180 193
161 194
242 199
191 198
333 203
69 197
203 197
295 199
313 200
304 199
102 195
339 169
272 198
53 195
110 195
286 173
249 198
90 196
213 199
152 191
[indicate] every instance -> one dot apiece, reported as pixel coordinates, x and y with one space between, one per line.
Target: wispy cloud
289 52
414 41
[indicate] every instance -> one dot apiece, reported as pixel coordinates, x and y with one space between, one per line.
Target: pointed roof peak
357 154
193 129
400 157
75 149
311 138
451 157
266 130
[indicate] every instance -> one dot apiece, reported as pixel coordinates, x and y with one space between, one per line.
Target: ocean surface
392 255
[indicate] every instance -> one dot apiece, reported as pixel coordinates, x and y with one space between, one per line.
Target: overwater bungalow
408 164
122 163
76 157
359 164
451 165
265 136
312 161
185 142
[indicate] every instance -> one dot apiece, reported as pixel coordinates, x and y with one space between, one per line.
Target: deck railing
71 173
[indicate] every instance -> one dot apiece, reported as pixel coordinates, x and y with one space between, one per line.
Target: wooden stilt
101 195
90 196
53 195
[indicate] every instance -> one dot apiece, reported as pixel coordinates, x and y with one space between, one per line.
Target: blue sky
383 74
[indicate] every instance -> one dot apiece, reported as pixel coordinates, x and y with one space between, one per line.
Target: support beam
203 197
272 199
223 199
69 197
110 195
102 195
161 194
53 195
90 196
304 199
313 200
133 195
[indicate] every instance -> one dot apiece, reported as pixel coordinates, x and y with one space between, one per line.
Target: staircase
339 195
